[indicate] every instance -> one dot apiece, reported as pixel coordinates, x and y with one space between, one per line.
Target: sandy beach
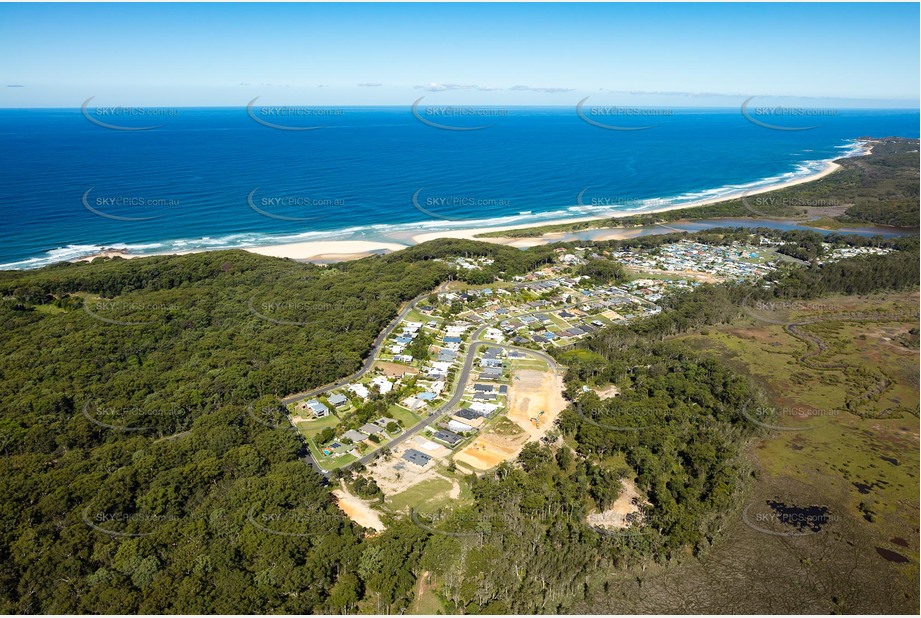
324 251
470 233
314 251
327 250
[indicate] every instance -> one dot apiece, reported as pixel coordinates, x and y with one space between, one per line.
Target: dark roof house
448 437
417 457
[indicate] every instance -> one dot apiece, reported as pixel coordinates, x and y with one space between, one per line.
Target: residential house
448 437
417 457
359 389
371 429
318 409
338 400
458 426
383 384
355 436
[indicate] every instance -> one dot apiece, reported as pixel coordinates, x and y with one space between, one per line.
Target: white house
458 426
485 408
383 384
359 389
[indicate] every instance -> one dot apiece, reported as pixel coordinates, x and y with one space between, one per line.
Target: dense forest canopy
147 467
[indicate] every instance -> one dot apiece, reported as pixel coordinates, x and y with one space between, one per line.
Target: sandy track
358 510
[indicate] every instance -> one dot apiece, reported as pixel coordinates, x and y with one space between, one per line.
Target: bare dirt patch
358 510
535 400
394 475
489 450
606 392
624 511
395 370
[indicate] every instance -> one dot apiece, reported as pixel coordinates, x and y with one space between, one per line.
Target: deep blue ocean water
208 178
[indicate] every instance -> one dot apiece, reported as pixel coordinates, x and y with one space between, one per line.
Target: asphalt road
455 399
369 361
461 381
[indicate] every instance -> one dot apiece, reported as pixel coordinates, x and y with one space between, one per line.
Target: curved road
369 361
455 399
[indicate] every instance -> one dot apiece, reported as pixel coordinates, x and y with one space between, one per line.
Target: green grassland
826 445
848 413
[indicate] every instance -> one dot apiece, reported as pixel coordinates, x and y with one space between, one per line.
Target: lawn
407 418
417 316
519 364
425 497
313 427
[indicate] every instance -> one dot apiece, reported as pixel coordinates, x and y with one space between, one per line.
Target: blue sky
680 55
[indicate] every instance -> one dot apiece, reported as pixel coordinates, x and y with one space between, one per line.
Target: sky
677 55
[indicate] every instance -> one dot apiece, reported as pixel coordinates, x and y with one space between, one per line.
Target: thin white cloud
436 87
535 89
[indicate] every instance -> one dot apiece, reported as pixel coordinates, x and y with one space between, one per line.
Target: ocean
222 177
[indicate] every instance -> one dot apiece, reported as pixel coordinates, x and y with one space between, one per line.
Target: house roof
447 436
458 426
316 406
354 436
417 457
370 429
